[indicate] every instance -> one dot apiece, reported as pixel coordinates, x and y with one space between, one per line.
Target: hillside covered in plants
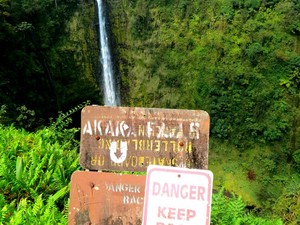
239 60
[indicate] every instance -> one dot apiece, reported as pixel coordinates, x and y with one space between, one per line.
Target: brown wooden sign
131 139
106 198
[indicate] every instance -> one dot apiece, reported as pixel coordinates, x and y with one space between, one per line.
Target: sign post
177 196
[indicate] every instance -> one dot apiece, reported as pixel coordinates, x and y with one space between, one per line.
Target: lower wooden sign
101 198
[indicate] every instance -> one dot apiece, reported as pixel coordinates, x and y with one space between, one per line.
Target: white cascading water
110 94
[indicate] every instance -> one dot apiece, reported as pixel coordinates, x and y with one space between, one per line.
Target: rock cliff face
83 30
82 42
120 40
149 43
74 59
127 37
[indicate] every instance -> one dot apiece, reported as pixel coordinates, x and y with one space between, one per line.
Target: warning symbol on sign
118 156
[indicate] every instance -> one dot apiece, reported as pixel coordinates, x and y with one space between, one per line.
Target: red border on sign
175 170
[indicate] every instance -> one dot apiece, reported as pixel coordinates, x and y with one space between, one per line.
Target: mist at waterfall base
111 96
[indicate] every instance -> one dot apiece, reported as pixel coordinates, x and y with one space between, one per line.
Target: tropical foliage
233 211
237 59
35 174
48 57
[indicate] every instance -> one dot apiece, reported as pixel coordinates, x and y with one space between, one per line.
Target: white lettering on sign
108 128
132 194
123 188
148 129
132 199
194 130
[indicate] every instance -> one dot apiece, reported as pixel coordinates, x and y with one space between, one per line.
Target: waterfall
111 98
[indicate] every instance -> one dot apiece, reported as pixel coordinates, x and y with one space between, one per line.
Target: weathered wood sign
176 196
106 198
131 139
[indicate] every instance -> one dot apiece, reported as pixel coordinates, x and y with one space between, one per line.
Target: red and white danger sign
177 196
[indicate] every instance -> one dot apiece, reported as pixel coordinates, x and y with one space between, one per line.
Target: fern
231 211
64 119
3 214
62 192
19 168
35 173
38 205
38 213
4 166
38 171
18 216
236 207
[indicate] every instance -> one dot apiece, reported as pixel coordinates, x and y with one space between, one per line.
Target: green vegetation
35 174
266 183
239 60
233 211
36 170
49 57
